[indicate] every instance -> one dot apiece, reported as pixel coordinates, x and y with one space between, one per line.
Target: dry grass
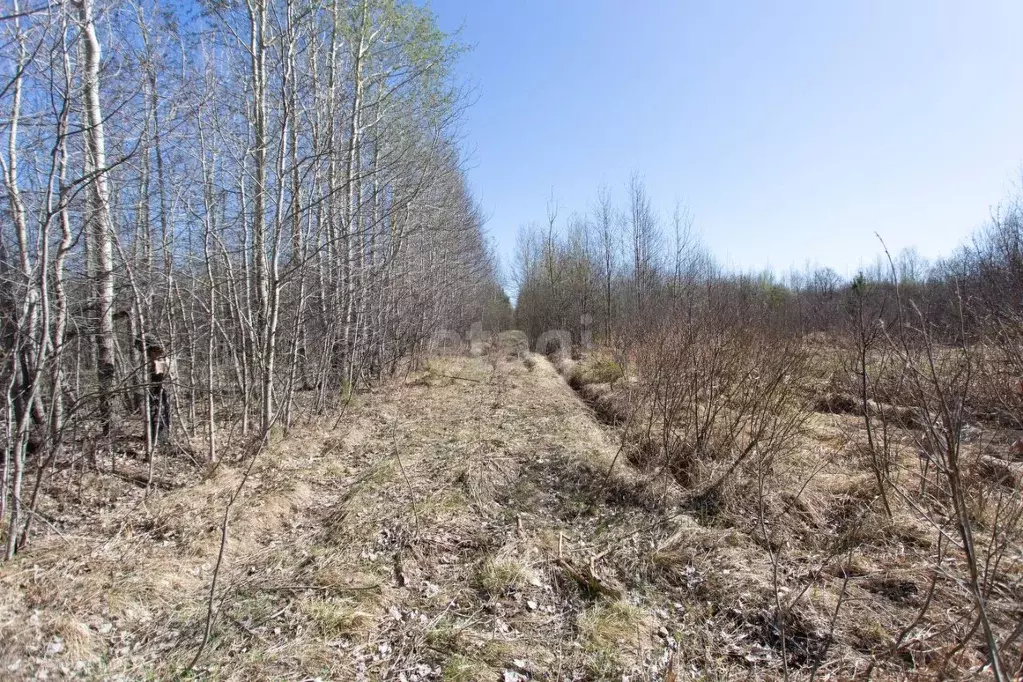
834 547
474 522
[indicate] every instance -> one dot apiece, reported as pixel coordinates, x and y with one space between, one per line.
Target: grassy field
479 521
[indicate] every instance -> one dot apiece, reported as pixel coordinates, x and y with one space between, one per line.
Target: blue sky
793 130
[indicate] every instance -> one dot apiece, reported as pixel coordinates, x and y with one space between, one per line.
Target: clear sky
793 129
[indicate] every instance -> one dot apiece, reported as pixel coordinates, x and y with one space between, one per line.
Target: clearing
456 528
463 524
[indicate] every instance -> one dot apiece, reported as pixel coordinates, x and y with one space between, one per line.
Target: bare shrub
981 521
871 361
720 393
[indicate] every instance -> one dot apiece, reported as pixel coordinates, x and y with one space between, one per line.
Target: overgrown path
459 526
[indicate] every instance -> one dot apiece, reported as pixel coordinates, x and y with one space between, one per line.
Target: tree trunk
99 227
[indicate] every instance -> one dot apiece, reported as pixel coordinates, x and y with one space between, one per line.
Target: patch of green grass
498 577
604 665
614 625
871 635
461 669
596 371
336 616
609 633
452 638
452 500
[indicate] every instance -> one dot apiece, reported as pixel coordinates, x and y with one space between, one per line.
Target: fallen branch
301 588
143 481
587 580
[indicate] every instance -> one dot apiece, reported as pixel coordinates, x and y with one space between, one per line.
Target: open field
868 586
468 524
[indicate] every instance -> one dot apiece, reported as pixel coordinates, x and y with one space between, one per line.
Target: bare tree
99 241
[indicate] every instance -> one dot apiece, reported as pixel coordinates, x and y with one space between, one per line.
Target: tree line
265 196
616 271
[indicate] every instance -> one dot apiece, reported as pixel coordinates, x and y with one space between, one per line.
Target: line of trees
617 270
267 193
610 270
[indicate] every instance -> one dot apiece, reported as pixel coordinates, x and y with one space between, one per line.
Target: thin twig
397 455
207 631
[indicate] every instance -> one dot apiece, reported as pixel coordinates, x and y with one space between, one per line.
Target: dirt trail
460 527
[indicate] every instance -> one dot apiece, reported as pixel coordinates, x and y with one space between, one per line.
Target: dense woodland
268 196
